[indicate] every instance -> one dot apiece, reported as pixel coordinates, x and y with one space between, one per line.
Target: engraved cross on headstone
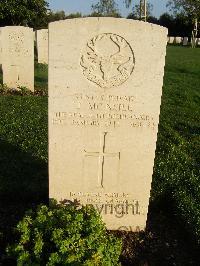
101 156
16 67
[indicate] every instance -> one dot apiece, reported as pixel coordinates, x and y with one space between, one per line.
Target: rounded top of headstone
111 20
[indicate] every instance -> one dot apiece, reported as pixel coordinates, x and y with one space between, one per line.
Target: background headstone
42 46
168 39
105 86
18 57
0 47
185 41
171 39
178 40
34 36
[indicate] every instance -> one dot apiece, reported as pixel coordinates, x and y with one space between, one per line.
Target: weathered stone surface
18 57
171 40
105 86
0 46
35 36
42 46
178 40
185 41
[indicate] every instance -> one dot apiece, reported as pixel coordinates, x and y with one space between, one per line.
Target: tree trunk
194 34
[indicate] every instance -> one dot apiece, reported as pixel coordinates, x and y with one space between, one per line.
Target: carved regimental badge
108 60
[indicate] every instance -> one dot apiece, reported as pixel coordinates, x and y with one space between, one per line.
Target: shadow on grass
22 177
181 70
165 241
23 185
171 243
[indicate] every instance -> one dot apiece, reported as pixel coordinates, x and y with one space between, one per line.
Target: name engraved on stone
101 156
99 119
104 110
108 60
16 44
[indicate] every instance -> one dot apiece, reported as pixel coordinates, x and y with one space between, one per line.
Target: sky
84 6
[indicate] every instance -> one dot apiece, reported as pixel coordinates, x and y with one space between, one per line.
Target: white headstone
34 36
178 40
0 46
42 46
171 40
185 41
18 57
105 86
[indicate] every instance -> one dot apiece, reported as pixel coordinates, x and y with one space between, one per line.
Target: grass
173 227
41 76
175 193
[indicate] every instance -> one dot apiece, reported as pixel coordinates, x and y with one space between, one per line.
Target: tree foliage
106 8
60 15
55 16
136 10
189 8
153 20
128 3
179 25
32 13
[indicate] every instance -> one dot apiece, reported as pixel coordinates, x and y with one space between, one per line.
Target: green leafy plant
3 89
64 235
21 90
41 91
24 90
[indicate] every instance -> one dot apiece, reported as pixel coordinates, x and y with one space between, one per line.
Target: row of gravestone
105 87
41 38
181 40
17 54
